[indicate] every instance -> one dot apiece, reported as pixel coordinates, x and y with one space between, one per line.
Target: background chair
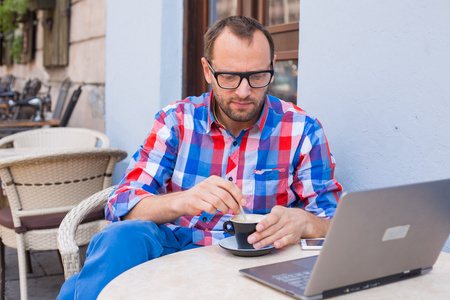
64 137
31 89
6 83
69 109
41 102
67 242
41 189
14 99
62 96
13 126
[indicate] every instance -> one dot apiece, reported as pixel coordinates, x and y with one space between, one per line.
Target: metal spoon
242 211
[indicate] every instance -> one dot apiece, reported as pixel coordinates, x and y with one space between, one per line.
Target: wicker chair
41 189
67 243
64 137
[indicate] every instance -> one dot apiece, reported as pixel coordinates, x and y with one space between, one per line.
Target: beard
241 115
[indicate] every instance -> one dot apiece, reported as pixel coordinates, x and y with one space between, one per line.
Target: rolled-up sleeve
149 170
314 181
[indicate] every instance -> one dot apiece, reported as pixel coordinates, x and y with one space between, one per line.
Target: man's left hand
284 226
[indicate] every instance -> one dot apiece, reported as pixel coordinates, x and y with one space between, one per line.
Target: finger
232 189
214 193
221 200
269 220
284 241
202 199
274 227
279 240
266 237
219 193
199 205
230 195
269 240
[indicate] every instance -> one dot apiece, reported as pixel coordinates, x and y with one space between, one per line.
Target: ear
273 63
206 70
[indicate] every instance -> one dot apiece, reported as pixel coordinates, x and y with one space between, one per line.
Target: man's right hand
212 194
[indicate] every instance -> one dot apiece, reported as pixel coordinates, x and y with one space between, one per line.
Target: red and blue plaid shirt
283 159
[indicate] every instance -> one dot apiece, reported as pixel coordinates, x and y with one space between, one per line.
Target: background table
213 273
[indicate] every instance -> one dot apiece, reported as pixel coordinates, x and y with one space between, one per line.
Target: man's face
239 107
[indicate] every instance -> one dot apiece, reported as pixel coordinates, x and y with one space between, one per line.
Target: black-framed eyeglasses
232 80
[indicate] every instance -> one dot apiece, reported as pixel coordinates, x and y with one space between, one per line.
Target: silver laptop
376 237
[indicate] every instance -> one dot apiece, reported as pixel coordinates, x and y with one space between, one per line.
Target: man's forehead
227 35
227 42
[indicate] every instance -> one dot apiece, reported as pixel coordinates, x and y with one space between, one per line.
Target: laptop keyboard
299 279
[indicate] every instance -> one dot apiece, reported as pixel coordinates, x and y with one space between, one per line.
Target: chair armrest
103 139
67 244
4 141
9 94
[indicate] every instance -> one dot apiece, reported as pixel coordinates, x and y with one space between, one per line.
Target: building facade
74 49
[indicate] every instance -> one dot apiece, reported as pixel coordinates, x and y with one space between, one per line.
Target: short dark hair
240 26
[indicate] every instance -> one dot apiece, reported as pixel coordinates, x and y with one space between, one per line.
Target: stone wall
86 64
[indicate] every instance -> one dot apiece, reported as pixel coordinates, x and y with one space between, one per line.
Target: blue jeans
120 247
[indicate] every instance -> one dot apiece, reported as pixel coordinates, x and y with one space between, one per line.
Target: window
281 17
18 47
55 24
28 38
282 12
56 34
283 23
221 9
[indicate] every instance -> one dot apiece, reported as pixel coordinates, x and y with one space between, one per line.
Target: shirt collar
263 117
210 113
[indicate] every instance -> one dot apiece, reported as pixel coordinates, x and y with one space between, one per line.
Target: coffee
248 218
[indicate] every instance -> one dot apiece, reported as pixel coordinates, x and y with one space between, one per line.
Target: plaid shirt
283 159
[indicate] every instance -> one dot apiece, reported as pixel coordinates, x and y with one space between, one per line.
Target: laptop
376 237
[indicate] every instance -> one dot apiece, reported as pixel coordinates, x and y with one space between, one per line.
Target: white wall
143 68
376 74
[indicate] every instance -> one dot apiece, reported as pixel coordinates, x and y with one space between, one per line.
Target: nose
244 89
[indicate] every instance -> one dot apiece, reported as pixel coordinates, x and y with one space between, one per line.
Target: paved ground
46 279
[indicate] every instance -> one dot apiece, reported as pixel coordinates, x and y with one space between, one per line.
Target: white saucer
231 245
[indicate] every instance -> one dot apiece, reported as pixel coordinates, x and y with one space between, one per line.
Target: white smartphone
312 244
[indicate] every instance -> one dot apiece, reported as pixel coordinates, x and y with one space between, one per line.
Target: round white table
213 273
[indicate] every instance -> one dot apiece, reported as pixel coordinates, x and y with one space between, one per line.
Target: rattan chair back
62 137
58 180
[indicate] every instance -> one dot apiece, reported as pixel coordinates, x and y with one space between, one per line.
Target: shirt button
230 178
234 143
204 219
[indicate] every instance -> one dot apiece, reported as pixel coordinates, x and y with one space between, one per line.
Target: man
206 155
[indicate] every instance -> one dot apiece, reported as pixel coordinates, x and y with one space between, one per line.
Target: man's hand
212 194
284 226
